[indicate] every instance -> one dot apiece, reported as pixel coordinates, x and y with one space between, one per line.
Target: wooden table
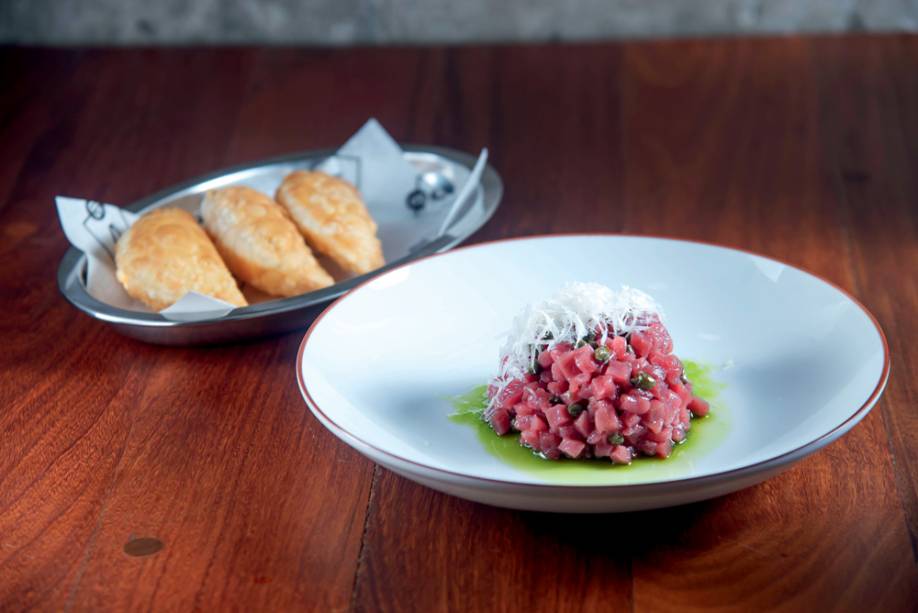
805 149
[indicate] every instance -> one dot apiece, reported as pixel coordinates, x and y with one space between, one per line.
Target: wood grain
873 133
799 148
773 193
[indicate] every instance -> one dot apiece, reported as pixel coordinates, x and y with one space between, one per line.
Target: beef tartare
590 373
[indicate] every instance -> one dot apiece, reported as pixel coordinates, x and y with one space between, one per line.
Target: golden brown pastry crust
333 219
166 254
259 242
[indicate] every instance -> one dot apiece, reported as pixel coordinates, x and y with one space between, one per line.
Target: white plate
799 362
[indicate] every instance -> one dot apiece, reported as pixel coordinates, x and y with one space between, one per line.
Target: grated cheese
566 317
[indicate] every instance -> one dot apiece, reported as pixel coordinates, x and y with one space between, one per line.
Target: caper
602 354
616 439
643 381
575 409
554 400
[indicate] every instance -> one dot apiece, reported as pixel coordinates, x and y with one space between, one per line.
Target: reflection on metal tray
405 237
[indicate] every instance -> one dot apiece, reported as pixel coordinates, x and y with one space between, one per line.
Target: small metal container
440 172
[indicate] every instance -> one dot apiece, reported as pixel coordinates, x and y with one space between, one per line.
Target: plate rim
777 461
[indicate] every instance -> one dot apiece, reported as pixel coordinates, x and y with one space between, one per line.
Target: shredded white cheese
566 317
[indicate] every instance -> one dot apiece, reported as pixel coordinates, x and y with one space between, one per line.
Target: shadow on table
636 533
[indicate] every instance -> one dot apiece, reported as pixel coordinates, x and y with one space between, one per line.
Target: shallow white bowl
800 362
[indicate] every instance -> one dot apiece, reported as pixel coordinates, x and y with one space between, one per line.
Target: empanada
166 254
333 219
260 243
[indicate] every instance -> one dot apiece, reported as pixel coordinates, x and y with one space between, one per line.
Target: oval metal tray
284 314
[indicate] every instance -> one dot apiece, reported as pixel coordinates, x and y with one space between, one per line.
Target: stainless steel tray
434 164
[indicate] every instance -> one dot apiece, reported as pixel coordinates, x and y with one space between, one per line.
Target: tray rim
74 261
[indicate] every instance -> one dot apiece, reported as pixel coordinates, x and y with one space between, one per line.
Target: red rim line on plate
776 461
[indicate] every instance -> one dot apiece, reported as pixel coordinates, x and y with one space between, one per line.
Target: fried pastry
260 243
333 219
166 254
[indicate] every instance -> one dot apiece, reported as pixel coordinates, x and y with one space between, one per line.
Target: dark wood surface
805 149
